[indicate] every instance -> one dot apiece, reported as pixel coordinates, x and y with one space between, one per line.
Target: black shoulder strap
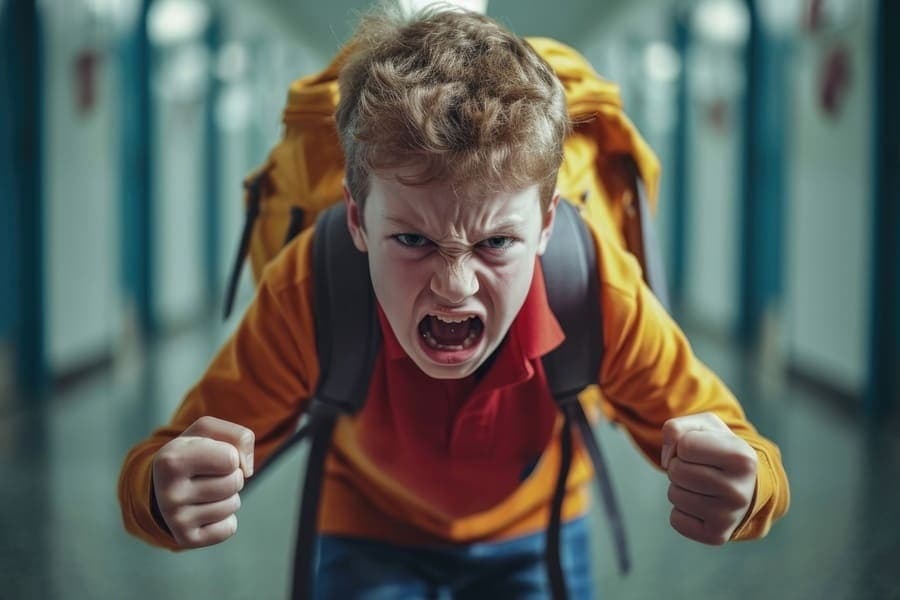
347 340
251 213
570 273
344 306
347 332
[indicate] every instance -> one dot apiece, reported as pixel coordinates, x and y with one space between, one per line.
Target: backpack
300 186
605 163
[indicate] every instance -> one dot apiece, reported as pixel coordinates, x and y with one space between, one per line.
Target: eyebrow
401 223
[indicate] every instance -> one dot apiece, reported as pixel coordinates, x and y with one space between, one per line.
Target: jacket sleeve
260 379
649 374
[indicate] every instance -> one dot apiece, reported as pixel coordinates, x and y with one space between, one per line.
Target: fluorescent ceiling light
176 21
411 6
722 21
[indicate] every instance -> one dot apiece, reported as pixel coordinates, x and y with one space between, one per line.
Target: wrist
154 508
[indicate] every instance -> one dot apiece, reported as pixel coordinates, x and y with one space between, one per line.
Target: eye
498 242
412 240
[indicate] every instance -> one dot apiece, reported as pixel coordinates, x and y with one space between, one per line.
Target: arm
650 376
259 379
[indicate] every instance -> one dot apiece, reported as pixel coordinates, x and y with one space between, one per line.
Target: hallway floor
62 536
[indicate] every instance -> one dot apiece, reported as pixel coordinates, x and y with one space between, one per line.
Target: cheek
509 284
397 282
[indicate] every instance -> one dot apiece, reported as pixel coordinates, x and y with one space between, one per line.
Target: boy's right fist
197 477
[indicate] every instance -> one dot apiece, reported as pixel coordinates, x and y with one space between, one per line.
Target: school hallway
62 535
128 129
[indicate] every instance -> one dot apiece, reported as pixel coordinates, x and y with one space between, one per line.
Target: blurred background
127 126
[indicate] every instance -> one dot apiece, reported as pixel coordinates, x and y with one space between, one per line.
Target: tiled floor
62 537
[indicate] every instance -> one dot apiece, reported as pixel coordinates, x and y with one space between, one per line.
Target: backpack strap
295 225
252 188
570 271
348 338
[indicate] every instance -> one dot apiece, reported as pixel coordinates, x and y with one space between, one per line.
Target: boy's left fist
712 475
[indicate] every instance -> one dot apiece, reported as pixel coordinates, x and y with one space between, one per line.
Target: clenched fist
712 475
197 477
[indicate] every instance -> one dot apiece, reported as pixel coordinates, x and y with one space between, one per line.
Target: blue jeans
366 569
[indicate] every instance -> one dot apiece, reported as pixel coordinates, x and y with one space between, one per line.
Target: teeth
467 343
452 319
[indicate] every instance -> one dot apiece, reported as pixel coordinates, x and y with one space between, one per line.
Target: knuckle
673 426
676 470
674 521
193 537
714 419
719 538
234 460
732 497
717 523
671 495
229 527
168 461
178 520
677 496
177 493
205 422
237 480
688 443
248 438
746 463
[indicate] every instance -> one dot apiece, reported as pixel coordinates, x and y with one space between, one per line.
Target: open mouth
450 333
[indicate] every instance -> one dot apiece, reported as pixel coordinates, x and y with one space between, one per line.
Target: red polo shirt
463 445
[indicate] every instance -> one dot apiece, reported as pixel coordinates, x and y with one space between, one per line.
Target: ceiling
325 26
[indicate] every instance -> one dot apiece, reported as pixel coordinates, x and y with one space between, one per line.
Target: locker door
81 185
830 207
179 80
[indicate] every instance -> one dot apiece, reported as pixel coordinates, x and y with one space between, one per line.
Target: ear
355 221
547 225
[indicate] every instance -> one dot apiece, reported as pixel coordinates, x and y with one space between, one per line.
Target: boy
452 129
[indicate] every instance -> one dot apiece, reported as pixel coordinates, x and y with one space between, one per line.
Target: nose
454 281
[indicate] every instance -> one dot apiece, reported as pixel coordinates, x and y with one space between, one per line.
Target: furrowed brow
510 225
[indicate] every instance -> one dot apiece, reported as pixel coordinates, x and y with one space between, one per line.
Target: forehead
439 207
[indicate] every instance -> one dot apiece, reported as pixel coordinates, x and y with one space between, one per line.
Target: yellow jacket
376 488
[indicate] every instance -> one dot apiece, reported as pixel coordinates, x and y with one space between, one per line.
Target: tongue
449 334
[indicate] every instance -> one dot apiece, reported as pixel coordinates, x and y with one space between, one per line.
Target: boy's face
450 274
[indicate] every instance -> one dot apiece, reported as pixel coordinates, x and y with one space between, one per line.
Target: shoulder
292 268
287 285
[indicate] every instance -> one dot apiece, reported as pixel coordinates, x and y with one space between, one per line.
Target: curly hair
453 97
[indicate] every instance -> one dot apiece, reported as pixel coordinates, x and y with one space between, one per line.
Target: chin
448 372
